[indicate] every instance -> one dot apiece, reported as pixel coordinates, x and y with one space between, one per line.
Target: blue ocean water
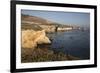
75 43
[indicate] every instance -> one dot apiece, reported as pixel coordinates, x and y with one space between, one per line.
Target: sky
71 18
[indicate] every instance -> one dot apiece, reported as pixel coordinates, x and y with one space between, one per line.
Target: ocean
75 43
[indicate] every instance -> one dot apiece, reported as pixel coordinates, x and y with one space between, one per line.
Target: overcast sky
73 18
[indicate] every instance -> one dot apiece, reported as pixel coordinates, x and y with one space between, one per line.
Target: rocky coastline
37 27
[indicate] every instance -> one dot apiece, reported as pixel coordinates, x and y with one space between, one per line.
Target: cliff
37 23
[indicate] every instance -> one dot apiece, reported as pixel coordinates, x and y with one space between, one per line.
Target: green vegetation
43 55
30 26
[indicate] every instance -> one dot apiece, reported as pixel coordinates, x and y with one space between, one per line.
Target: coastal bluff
37 23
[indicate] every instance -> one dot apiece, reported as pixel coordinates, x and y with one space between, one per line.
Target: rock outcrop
31 38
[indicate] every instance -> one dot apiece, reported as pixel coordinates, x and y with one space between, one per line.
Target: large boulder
31 38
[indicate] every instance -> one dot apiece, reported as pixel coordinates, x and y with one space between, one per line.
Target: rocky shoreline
34 31
44 55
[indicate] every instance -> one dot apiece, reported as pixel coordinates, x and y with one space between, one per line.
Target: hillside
38 23
33 19
43 52
36 20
